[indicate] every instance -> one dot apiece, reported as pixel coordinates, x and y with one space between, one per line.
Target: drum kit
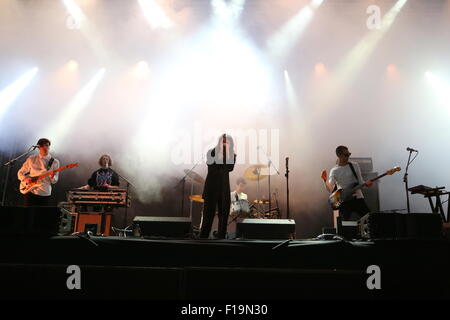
242 208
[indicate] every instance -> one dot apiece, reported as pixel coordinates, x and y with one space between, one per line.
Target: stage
180 269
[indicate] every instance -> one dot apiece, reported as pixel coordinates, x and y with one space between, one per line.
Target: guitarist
34 166
345 175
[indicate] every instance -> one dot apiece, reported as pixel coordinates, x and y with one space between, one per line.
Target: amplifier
171 227
265 229
34 221
384 225
365 164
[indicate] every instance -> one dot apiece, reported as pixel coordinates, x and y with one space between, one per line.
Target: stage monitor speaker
382 225
170 227
34 221
265 229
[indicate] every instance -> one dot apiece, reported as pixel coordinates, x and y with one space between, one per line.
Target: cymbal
194 176
196 198
252 173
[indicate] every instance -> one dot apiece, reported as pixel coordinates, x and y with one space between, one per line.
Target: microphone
34 147
224 149
411 150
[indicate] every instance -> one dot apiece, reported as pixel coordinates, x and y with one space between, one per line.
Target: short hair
340 150
241 180
109 158
43 141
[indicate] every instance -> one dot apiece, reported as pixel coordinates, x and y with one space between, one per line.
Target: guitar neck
359 186
45 175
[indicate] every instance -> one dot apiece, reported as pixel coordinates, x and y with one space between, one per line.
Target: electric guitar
339 196
26 187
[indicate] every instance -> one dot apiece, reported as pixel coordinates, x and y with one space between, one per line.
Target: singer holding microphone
216 192
34 166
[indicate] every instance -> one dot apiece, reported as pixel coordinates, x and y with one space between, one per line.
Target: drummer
238 193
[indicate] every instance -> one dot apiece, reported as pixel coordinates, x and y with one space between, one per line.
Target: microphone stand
9 164
405 179
183 180
287 188
126 207
269 164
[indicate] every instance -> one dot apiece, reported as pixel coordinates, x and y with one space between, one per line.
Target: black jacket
218 178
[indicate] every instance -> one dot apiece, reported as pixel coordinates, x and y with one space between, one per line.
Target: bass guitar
341 195
26 187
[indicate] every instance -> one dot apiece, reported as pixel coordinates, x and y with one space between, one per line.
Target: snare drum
240 208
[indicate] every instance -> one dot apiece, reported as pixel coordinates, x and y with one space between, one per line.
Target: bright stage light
70 112
72 65
355 60
80 21
141 69
155 15
227 12
440 88
290 92
10 93
75 13
357 57
320 69
280 43
391 68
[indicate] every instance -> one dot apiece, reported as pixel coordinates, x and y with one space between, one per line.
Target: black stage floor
129 268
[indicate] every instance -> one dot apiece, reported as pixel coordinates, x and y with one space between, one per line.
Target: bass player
344 175
34 166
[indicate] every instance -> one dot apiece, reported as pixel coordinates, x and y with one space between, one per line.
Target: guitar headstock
393 170
72 165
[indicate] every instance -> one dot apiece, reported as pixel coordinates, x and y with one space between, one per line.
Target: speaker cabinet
32 221
401 226
85 222
171 227
265 229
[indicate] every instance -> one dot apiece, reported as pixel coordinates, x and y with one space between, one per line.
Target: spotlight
70 112
141 69
391 68
440 88
10 93
72 65
155 15
320 69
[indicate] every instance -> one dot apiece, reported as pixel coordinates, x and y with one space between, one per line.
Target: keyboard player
104 178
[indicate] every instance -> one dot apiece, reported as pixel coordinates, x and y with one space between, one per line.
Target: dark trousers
32 200
209 211
353 209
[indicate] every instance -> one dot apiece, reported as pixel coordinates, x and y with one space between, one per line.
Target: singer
216 193
34 166
104 178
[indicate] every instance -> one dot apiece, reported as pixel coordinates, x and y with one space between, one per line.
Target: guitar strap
353 170
50 162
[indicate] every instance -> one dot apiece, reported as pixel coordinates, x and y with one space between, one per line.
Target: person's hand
52 175
106 185
28 180
368 183
324 175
